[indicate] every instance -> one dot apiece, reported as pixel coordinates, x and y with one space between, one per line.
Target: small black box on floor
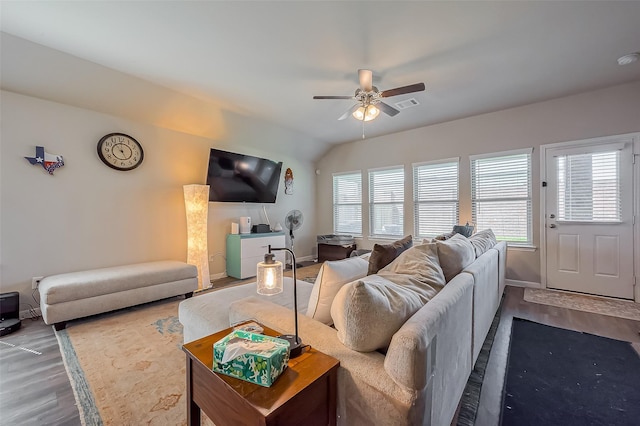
9 312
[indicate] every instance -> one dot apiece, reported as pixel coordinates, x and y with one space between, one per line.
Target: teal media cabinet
244 251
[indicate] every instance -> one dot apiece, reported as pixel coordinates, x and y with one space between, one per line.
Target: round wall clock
120 151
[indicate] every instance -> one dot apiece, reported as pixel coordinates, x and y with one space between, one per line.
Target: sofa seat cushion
455 254
85 284
331 277
482 241
367 312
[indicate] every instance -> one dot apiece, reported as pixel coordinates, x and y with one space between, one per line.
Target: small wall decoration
288 182
49 162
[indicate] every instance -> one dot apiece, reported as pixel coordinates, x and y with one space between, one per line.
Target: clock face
120 151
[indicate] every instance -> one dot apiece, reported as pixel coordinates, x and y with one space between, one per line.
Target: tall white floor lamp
196 201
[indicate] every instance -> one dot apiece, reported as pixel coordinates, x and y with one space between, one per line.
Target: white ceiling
268 58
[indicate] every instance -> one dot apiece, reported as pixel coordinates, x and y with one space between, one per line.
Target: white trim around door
590 144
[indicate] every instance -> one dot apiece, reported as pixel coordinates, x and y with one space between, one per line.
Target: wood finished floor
35 389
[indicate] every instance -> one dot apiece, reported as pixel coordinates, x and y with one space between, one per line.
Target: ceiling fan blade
350 111
366 79
333 97
418 87
387 109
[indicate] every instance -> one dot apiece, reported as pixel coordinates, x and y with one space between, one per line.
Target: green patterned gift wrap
260 367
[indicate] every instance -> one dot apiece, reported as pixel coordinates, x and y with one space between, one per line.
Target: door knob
553 225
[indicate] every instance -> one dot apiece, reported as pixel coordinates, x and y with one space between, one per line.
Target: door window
589 187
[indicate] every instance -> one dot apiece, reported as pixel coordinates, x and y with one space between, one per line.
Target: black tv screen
236 177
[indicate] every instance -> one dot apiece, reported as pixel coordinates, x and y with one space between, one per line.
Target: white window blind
501 196
386 202
589 187
347 203
435 198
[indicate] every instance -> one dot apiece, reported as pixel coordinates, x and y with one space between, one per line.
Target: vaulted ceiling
268 59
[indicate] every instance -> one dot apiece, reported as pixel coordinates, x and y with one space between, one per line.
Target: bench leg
60 325
188 295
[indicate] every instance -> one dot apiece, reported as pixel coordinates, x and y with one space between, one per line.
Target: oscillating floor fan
293 221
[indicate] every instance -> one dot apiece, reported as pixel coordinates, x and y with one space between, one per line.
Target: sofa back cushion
455 254
331 277
367 312
483 241
382 255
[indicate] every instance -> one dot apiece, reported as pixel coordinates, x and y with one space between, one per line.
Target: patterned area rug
581 302
127 367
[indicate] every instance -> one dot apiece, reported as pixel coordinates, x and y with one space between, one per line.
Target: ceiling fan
369 99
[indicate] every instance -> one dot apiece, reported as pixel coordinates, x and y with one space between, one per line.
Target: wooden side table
305 393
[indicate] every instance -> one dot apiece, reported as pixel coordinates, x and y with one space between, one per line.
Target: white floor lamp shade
196 201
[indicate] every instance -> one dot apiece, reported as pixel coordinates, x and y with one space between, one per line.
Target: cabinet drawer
251 247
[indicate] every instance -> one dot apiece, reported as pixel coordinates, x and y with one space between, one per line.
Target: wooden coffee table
305 393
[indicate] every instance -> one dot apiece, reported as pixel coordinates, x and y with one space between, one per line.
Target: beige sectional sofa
419 378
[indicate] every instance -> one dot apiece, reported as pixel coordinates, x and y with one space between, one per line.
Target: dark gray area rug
563 377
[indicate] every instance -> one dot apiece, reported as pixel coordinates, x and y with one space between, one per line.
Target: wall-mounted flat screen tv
241 178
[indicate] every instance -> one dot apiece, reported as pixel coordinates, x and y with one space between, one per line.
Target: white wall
615 110
88 216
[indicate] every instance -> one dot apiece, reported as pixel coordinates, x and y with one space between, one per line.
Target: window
501 195
347 203
386 202
435 197
589 187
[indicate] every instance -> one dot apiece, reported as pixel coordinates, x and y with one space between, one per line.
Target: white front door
589 218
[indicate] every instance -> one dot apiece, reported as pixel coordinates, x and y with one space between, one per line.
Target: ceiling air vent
407 104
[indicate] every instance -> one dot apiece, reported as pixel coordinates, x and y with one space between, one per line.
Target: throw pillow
455 254
419 266
444 237
331 277
465 230
368 312
382 255
483 241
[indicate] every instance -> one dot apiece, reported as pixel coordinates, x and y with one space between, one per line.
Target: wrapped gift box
256 358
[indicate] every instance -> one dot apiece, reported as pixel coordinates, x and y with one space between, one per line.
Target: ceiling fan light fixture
368 112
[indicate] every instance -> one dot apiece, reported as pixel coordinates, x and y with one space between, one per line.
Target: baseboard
218 276
28 313
518 283
306 258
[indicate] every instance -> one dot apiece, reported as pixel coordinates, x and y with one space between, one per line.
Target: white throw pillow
368 312
483 241
331 277
455 254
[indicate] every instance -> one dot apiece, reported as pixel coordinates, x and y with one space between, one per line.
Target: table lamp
270 282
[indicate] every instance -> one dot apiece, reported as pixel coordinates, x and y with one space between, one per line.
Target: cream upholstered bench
79 294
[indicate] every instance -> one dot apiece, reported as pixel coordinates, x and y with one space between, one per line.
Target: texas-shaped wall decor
49 162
